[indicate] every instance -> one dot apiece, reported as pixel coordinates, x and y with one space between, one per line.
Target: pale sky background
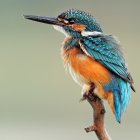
38 99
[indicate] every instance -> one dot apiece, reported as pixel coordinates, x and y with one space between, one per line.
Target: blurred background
38 99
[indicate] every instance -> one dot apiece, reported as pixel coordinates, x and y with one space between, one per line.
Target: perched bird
94 59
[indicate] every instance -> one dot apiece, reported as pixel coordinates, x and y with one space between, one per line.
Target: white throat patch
60 29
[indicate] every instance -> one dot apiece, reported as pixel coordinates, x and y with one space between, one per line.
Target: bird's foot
88 93
84 97
90 128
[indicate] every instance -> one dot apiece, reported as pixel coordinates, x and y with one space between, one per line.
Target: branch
98 117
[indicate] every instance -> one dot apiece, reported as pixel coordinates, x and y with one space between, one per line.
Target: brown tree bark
98 117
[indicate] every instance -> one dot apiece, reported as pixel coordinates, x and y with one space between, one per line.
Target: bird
93 58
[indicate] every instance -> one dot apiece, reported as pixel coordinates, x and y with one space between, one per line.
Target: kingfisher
93 58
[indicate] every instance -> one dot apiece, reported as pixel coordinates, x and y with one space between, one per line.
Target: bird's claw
84 97
89 95
90 128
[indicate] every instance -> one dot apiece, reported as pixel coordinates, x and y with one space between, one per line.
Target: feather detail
105 49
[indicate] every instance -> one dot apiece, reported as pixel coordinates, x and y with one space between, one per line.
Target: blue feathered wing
106 49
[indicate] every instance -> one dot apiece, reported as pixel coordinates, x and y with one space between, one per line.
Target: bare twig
98 117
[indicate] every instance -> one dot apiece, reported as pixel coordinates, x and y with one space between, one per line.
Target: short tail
122 96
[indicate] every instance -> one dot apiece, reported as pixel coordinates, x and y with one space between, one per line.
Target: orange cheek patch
78 27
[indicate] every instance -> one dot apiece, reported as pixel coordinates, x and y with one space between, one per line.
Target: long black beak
44 19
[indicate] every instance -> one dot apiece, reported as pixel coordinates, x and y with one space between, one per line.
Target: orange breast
88 67
91 70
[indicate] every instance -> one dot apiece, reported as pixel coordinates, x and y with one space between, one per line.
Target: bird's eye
71 21
66 21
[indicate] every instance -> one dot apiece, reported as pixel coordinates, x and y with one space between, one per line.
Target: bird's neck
70 42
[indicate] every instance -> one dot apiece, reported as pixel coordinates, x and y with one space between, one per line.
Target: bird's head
71 22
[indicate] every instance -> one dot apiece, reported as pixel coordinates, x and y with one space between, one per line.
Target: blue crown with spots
81 17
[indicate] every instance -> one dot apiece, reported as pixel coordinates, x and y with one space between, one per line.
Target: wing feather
106 49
